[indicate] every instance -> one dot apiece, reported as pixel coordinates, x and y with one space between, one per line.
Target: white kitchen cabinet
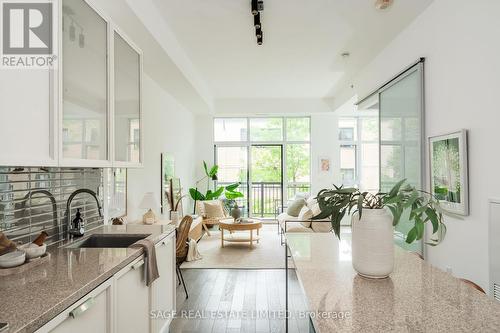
85 108
126 106
28 117
163 289
132 298
93 313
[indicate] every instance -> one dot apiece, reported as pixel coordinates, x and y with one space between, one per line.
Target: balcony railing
266 196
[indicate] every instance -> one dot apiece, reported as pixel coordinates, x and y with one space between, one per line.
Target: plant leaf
206 168
396 188
431 214
213 171
196 195
412 235
232 187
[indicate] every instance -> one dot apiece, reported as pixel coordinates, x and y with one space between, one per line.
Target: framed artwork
324 164
449 171
176 190
167 173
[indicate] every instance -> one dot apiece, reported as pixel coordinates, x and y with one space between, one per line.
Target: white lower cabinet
93 313
163 289
132 299
124 304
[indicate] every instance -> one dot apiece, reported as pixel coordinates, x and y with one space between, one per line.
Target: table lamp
148 202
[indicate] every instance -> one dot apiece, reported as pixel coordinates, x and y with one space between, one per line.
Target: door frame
250 183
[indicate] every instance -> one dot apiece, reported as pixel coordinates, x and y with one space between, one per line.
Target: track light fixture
256 21
257 7
258 33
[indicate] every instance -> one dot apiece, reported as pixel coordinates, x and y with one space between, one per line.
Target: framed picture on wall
449 171
167 173
324 164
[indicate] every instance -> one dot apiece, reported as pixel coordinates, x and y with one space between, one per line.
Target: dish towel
151 266
193 253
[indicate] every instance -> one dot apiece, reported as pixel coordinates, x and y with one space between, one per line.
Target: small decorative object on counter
33 251
117 221
372 225
6 245
148 202
41 238
12 259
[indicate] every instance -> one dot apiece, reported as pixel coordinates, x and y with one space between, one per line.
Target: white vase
373 243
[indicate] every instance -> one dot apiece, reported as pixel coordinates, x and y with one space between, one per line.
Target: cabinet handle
138 265
82 308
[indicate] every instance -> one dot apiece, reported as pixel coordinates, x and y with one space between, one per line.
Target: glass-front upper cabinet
84 133
127 103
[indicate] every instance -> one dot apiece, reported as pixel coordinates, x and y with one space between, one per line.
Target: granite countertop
32 298
417 297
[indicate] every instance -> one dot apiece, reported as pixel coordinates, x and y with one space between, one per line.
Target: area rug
268 253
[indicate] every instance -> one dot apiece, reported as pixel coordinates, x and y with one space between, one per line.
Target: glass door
266 179
233 168
401 140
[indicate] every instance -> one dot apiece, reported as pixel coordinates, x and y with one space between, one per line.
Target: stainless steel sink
108 241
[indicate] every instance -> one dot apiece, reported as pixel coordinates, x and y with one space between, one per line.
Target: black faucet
52 199
72 231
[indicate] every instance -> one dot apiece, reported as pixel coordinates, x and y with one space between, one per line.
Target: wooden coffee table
231 226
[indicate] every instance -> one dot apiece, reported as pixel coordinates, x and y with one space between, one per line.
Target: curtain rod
420 60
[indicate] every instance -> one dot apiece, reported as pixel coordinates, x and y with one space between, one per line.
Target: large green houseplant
229 192
373 226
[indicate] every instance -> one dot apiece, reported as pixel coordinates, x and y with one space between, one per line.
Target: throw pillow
213 209
295 207
305 216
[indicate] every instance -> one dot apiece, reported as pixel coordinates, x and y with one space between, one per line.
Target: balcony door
266 179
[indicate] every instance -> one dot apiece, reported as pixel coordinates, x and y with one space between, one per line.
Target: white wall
168 127
462 78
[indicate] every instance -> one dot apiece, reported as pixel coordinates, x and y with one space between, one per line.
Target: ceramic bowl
33 251
12 259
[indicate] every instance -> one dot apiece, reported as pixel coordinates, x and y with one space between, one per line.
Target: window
359 154
240 145
266 129
230 129
348 164
298 129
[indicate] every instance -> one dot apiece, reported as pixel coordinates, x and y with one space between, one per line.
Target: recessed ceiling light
345 54
383 4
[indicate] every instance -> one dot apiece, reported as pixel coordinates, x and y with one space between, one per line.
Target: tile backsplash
23 217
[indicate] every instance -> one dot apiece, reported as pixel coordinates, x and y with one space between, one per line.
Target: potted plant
372 225
229 192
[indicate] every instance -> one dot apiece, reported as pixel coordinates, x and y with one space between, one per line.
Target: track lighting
259 38
256 21
255 9
258 33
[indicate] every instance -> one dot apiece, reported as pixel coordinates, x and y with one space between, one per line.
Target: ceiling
303 40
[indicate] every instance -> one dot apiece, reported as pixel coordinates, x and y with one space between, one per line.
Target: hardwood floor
226 300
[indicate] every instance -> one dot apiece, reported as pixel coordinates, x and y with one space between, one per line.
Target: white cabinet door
27 118
163 289
93 313
84 127
132 299
127 117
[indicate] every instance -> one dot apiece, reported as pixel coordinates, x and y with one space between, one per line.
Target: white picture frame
324 164
448 171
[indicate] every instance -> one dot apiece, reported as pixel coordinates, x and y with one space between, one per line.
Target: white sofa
289 223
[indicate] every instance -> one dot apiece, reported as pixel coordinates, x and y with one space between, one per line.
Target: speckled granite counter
415 298
30 299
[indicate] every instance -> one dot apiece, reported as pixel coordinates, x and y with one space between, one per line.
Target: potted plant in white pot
372 223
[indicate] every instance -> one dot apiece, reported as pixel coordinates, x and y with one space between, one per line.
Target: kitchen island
35 298
416 297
